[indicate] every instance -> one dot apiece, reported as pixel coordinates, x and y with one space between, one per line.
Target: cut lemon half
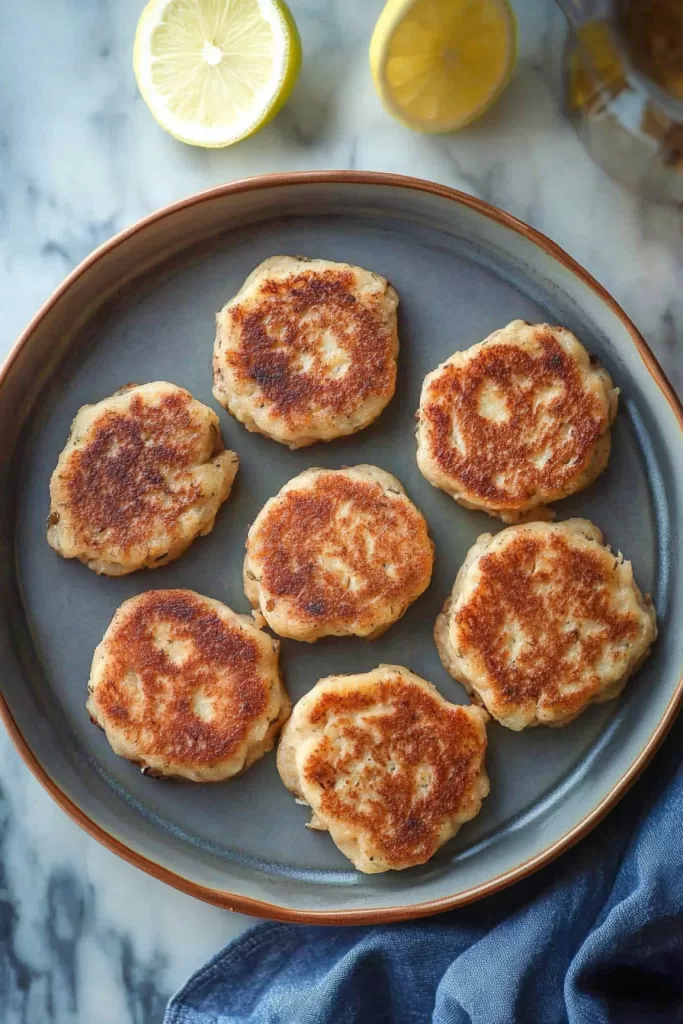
213 72
439 64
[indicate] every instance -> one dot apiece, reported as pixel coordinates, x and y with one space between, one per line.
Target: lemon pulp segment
439 64
214 71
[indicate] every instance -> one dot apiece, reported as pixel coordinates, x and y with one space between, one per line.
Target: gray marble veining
84 937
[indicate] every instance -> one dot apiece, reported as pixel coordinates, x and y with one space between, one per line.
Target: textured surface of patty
388 766
307 349
185 687
516 421
337 553
543 620
143 473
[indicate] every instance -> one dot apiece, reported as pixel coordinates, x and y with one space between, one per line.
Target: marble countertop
84 937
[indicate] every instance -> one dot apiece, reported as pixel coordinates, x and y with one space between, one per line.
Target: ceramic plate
142 308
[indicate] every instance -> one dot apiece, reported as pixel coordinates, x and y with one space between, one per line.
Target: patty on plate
306 351
388 766
143 473
517 421
186 688
337 553
544 620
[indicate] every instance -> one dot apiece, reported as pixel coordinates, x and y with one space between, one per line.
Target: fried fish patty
337 553
544 620
186 688
388 766
143 473
306 351
517 421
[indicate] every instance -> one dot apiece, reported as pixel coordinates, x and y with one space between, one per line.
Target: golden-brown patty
544 620
143 473
517 421
306 351
185 687
388 766
337 553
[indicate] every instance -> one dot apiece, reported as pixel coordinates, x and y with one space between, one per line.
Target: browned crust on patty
284 322
562 599
113 483
132 478
402 820
495 460
148 697
287 540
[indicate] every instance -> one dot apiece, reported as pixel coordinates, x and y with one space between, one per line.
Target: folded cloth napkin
595 938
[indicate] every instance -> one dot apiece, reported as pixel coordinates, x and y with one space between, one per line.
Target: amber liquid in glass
623 78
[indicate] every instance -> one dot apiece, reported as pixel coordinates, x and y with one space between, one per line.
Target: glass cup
623 89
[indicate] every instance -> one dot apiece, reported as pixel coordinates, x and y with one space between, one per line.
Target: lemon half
213 72
439 64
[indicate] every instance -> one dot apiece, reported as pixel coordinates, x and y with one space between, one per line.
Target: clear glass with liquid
623 89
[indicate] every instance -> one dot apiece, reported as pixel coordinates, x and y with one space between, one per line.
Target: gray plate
142 309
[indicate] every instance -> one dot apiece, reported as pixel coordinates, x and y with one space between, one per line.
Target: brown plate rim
258 908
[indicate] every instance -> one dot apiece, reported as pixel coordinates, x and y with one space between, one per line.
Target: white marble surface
84 937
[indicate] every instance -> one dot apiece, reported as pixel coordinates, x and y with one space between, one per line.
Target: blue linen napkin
595 938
